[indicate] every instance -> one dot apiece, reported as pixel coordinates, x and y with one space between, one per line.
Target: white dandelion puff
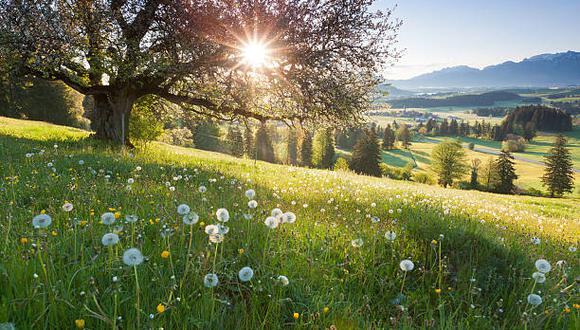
283 280
543 266
210 280
131 218
132 257
246 274
222 215
108 218
211 229
110 239
67 207
407 265
191 218
539 277
276 213
271 222
250 193
534 299
41 221
252 204
288 217
390 235
183 209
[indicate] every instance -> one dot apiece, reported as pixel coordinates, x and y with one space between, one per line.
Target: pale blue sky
443 33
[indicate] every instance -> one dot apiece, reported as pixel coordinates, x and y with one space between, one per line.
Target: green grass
473 246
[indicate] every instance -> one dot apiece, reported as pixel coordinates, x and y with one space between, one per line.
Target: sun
255 54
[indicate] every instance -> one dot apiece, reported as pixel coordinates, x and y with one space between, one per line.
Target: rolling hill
99 237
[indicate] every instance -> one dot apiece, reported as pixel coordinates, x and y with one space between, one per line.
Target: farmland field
363 253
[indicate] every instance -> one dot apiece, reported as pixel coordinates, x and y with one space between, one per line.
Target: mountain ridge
543 70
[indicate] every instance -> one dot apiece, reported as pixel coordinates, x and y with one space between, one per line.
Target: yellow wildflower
80 323
160 308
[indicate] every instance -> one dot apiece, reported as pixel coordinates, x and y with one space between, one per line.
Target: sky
444 33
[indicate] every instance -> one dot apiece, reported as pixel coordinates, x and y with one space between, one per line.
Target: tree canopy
322 56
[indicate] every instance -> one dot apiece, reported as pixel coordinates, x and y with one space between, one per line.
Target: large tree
322 56
506 172
559 174
366 155
448 161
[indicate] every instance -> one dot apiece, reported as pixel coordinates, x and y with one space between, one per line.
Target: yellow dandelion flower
111 209
54 233
161 307
80 323
576 306
434 242
165 254
241 251
83 222
437 291
23 240
295 316
42 211
325 309
567 310
117 215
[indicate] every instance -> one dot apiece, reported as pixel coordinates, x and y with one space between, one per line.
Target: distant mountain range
546 70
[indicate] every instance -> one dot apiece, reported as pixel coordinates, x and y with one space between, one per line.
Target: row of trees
498 175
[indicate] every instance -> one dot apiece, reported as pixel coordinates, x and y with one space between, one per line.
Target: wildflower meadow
97 237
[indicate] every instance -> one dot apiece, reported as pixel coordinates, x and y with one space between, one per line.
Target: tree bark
111 117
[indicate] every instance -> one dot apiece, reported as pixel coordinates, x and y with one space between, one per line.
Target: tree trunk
112 115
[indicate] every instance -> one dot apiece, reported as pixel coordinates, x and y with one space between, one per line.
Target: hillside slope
473 252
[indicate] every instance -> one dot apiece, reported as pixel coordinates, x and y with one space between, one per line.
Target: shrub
422 177
518 145
178 136
144 125
341 164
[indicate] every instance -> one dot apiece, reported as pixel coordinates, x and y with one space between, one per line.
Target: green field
473 253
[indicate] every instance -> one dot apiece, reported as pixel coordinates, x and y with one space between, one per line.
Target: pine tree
475 163
388 138
453 128
235 141
559 174
404 136
506 172
444 127
366 155
249 150
448 161
488 176
323 149
305 148
264 148
292 147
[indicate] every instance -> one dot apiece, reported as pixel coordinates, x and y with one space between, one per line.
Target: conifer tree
292 147
249 150
388 137
264 148
475 163
323 149
235 141
404 136
506 172
305 148
366 155
559 174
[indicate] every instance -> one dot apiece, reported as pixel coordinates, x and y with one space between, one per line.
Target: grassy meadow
363 253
